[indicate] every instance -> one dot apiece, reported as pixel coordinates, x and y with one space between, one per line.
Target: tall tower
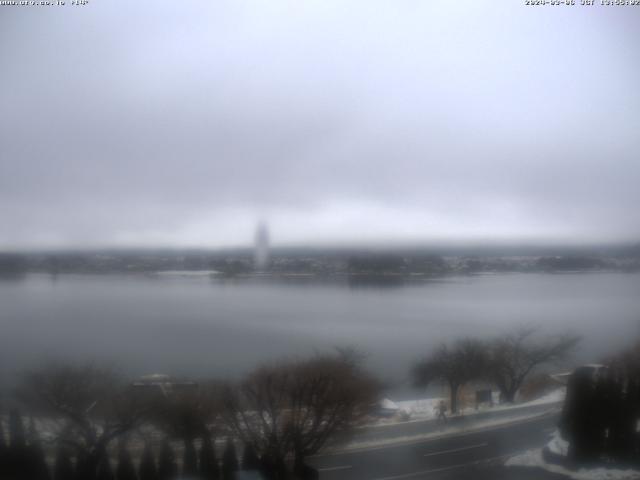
261 252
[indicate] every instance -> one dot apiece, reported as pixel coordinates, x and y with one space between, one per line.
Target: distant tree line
323 263
568 263
12 264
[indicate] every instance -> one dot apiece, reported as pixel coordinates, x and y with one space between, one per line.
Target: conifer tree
16 430
17 459
83 469
190 459
105 472
125 469
3 451
209 469
63 468
147 470
167 469
38 465
229 460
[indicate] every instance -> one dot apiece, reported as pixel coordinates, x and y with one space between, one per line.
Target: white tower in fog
261 252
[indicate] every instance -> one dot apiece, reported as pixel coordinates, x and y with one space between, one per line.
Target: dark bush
63 467
306 472
105 472
250 460
601 413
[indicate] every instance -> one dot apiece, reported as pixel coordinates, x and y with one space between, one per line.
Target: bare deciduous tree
88 406
297 407
455 365
514 356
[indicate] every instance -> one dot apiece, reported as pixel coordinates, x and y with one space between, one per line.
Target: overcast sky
185 123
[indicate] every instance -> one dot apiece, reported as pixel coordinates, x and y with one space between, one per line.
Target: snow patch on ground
421 408
558 445
534 458
551 397
427 408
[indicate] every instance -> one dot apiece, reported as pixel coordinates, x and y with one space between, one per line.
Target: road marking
443 469
331 469
461 449
433 438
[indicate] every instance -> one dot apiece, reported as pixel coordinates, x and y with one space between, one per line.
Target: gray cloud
183 123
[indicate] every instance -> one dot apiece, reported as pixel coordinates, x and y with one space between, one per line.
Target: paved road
477 455
416 428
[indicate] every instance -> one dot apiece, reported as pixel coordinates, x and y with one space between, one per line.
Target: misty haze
294 240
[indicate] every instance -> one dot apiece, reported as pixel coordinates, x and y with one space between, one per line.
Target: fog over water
197 327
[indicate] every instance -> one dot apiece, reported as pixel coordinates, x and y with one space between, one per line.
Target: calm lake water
200 327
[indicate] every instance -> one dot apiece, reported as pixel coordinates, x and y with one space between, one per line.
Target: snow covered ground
533 458
559 446
427 408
